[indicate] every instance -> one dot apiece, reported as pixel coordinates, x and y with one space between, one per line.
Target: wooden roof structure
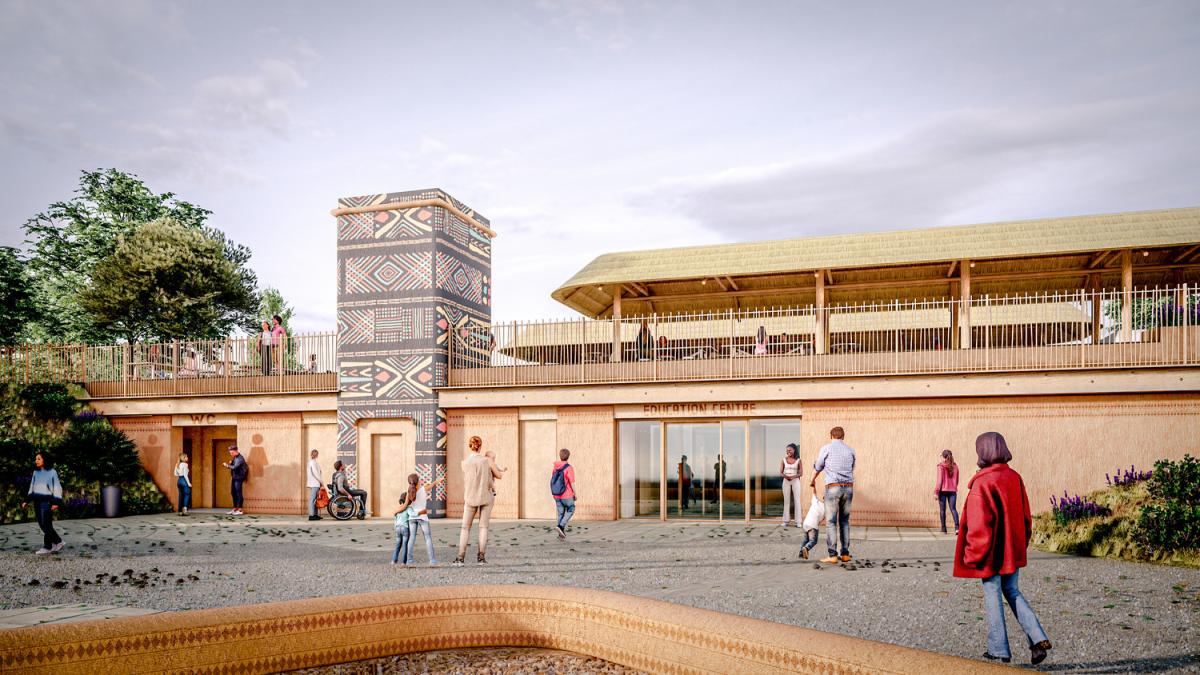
1029 256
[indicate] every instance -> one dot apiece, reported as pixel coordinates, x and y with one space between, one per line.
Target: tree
166 280
270 303
71 237
17 307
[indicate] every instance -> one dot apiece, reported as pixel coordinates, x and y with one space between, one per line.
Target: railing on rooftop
1057 331
307 363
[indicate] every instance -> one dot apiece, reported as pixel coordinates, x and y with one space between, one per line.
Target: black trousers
235 489
45 520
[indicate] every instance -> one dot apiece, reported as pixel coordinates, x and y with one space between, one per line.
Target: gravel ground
497 661
1101 615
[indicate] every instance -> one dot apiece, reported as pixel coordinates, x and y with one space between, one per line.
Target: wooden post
953 315
822 321
616 324
225 365
1094 286
175 366
964 297
1126 296
125 370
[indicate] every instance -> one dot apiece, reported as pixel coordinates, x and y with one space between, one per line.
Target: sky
581 128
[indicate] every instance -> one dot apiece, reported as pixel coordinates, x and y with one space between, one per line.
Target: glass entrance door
706 469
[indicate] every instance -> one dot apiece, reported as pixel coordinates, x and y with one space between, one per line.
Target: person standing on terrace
760 348
263 345
279 340
836 460
645 342
992 544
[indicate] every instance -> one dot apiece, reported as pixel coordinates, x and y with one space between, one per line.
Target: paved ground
1102 615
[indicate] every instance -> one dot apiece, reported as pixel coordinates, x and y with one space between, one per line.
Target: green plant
48 402
142 496
1171 519
95 452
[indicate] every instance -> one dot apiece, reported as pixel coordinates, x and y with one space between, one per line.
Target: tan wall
272 446
323 439
157 448
1058 443
590 434
498 428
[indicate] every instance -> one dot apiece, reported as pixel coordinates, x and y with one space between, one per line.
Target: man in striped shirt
836 461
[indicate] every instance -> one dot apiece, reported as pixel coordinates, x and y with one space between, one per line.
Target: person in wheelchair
342 487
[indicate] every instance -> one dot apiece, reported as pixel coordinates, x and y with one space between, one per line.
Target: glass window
641 468
768 441
693 452
732 477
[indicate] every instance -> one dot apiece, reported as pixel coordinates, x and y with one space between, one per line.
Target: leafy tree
72 237
17 307
166 280
270 303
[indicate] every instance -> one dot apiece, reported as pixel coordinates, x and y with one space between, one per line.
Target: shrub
1171 521
1070 508
1124 478
94 451
49 402
142 496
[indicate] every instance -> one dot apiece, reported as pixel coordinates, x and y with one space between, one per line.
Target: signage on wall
708 409
203 420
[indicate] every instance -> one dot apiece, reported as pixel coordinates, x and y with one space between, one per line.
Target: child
418 499
812 522
402 518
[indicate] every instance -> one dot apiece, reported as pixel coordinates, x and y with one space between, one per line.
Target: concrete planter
110 500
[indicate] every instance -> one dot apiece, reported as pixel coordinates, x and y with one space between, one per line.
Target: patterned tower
412 266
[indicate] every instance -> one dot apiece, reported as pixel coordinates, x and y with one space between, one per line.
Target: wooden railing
1082 330
304 363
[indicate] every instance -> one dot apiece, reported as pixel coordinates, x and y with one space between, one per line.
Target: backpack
558 481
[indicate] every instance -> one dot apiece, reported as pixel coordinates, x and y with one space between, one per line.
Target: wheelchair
342 507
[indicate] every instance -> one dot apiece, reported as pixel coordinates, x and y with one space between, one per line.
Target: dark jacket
996 526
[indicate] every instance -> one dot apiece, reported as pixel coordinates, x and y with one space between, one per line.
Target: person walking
313 482
479 475
836 461
791 469
183 481
238 473
45 491
685 482
562 488
992 543
264 348
946 488
419 522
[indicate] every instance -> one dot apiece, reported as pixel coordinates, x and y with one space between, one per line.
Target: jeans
45 520
312 500
952 499
837 518
265 353
402 540
810 540
185 494
362 496
422 525
565 508
235 488
1006 585
484 513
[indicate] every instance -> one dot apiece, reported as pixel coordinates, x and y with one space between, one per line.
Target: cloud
962 166
601 23
250 101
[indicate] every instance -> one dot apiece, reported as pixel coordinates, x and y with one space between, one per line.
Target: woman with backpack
562 488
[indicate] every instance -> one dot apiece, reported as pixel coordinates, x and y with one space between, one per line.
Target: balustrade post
729 348
225 365
125 358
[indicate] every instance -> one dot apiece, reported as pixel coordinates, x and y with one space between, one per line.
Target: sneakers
846 558
799 526
783 524
314 517
238 512
562 534
480 558
831 560
231 512
42 551
1002 659
804 553
59 546
1037 653
458 562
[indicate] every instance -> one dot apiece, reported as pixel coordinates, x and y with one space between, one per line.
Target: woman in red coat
995 532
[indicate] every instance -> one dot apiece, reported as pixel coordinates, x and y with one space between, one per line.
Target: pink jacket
947 478
569 476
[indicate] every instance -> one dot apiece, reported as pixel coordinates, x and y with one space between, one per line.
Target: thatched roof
1052 245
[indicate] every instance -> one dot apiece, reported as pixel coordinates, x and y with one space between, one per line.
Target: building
1077 338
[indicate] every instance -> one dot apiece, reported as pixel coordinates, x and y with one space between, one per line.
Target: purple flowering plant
1070 508
1126 477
